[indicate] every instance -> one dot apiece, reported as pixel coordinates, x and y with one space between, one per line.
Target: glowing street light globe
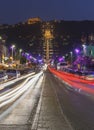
77 51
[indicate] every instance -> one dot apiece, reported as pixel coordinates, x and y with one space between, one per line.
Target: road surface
51 105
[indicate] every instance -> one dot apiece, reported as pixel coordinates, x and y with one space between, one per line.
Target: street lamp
84 49
71 56
0 38
20 51
12 47
77 51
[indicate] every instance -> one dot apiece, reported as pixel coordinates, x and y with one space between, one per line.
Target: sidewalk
49 115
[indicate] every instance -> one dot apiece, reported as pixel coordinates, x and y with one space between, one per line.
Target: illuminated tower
47 29
88 49
3 49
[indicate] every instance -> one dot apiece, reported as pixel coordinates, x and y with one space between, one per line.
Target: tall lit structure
12 48
3 48
91 45
88 48
48 36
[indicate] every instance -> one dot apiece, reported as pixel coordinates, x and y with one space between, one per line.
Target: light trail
77 78
73 81
16 89
14 94
2 86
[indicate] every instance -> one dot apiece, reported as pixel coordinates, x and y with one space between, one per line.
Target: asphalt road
78 108
17 114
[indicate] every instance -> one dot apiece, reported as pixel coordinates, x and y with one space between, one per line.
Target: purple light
39 61
30 57
12 47
77 51
60 59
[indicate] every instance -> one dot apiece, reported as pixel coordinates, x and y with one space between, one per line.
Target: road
77 108
18 102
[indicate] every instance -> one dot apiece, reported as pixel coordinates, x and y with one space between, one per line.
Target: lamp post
77 51
12 47
20 51
71 56
84 50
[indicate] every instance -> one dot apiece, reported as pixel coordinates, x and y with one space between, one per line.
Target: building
3 48
50 47
34 20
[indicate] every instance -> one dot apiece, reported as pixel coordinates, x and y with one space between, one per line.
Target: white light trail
2 86
14 94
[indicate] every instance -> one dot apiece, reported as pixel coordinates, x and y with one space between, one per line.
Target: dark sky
14 11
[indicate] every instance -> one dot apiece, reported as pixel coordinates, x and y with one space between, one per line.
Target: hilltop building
34 20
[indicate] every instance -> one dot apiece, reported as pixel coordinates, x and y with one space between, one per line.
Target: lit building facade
49 45
3 48
33 20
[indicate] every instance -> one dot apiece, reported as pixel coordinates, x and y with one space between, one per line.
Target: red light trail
75 81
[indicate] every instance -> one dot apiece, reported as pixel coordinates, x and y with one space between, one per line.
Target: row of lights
13 47
76 51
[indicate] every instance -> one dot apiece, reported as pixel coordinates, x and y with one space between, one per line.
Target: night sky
14 11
